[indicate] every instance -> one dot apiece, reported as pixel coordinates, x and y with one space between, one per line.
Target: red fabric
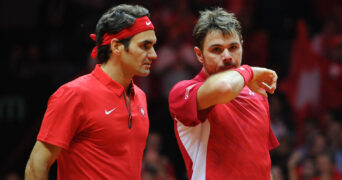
88 118
333 81
246 72
303 86
141 24
226 141
333 86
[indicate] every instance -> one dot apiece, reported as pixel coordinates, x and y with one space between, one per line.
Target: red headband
141 24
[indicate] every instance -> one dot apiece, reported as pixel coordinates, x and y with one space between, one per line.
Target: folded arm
224 86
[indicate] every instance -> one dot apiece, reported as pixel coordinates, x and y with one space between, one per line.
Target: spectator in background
309 160
282 153
278 116
12 176
277 173
155 165
300 168
333 134
96 126
326 169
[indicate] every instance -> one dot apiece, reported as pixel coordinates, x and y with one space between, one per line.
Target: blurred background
45 43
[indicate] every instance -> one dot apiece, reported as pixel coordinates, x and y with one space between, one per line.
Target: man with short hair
96 126
221 117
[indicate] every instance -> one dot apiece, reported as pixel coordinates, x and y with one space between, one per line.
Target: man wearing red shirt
96 126
221 117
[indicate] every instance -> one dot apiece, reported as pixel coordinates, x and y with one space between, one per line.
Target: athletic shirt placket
129 110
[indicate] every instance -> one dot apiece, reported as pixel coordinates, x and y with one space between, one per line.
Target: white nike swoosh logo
110 111
148 23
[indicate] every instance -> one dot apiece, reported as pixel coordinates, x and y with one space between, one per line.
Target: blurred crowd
301 40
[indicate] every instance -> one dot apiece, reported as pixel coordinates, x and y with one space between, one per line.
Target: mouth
227 67
148 64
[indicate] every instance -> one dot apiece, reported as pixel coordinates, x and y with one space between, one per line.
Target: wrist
246 72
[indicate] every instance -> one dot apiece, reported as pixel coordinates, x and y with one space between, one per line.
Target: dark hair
113 21
216 19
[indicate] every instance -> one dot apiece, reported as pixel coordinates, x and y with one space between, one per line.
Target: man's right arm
42 157
224 86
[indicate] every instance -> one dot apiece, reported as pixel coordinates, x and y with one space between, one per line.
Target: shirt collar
118 89
202 76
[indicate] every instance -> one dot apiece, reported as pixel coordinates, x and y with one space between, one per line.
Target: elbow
226 91
224 88
223 92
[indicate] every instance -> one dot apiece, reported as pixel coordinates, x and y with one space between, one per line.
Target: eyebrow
146 42
233 43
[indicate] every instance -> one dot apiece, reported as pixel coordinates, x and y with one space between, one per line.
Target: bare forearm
36 171
229 83
220 88
42 157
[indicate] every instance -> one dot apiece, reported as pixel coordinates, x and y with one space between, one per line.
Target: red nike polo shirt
88 118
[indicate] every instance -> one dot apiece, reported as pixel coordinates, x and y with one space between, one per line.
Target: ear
115 46
199 54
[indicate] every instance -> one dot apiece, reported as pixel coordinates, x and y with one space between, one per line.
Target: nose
226 55
152 54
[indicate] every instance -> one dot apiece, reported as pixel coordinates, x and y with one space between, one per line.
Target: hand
263 79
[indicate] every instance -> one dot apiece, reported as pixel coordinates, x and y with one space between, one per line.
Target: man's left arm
42 157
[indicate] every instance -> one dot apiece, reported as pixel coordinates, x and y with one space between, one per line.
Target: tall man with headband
221 117
96 125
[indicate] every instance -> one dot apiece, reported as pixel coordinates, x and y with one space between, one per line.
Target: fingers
275 78
269 81
268 88
266 79
261 92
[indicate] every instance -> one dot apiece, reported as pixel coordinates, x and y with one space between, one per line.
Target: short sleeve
62 118
183 104
272 140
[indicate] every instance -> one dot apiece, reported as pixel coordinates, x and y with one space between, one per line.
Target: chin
144 74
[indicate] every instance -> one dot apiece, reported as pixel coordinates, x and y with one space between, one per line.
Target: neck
117 73
206 72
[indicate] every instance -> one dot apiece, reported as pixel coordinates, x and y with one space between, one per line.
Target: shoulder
81 82
184 90
75 87
184 85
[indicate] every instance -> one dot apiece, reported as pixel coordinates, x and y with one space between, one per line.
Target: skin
325 166
220 52
220 55
121 66
42 157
